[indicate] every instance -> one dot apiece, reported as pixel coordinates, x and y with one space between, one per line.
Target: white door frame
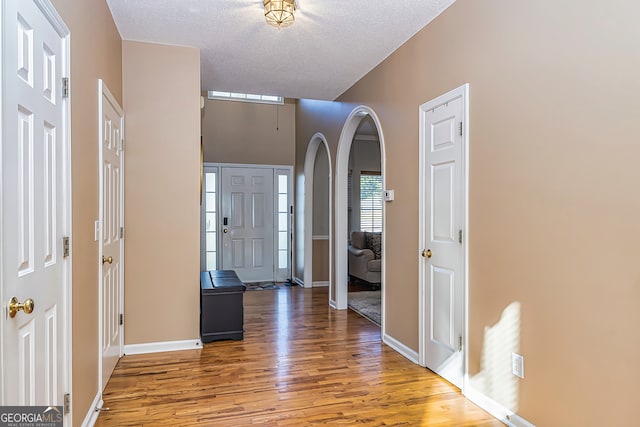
341 205
103 90
309 168
423 302
49 11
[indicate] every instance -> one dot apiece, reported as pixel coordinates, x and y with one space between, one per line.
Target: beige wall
313 116
321 193
162 210
554 203
248 133
95 54
320 260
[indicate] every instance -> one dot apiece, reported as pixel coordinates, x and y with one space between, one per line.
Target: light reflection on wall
495 379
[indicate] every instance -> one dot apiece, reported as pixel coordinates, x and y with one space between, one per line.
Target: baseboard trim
321 284
92 415
401 348
298 281
157 347
494 408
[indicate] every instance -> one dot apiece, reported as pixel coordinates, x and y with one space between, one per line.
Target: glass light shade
279 13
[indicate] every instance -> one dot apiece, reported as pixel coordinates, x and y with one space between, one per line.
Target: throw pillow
374 242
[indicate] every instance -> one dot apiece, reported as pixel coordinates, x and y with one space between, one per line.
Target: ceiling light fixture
279 13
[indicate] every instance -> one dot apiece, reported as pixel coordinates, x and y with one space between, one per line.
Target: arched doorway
309 169
338 294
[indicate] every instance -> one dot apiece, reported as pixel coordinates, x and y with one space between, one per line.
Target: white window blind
370 201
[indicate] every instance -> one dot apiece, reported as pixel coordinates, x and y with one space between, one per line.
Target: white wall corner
92 415
157 347
494 408
407 352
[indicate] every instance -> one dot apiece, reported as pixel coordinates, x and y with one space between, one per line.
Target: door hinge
460 128
460 236
459 342
122 144
65 246
121 319
121 232
65 87
67 403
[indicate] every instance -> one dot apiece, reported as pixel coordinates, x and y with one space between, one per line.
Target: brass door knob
225 230
14 306
426 253
108 259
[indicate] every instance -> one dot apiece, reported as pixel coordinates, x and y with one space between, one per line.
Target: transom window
245 97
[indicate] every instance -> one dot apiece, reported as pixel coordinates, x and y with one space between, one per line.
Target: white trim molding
494 408
319 237
320 283
157 347
298 281
92 415
306 239
341 233
407 352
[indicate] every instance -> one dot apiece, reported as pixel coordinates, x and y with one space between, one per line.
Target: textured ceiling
331 45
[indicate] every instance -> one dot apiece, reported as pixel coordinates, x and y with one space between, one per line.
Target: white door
35 204
111 209
442 123
247 218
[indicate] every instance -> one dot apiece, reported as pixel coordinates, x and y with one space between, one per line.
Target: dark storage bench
221 306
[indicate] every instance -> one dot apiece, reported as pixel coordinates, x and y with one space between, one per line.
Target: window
283 226
210 230
370 201
245 97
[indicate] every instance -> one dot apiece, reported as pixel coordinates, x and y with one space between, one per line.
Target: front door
112 232
443 223
247 216
35 205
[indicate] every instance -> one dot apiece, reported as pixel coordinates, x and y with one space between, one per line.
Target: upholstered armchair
365 256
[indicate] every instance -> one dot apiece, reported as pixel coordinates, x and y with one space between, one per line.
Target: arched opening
309 171
338 296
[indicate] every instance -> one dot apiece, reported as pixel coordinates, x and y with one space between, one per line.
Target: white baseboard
92 415
321 284
494 408
401 348
157 347
298 281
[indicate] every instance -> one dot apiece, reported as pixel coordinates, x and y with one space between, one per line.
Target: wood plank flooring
300 364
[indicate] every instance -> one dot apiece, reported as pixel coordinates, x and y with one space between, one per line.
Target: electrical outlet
517 365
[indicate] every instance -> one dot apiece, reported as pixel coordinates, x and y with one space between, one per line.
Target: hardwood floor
300 364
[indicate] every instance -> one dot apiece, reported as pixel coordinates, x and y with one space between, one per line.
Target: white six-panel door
111 261
442 124
35 203
247 237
